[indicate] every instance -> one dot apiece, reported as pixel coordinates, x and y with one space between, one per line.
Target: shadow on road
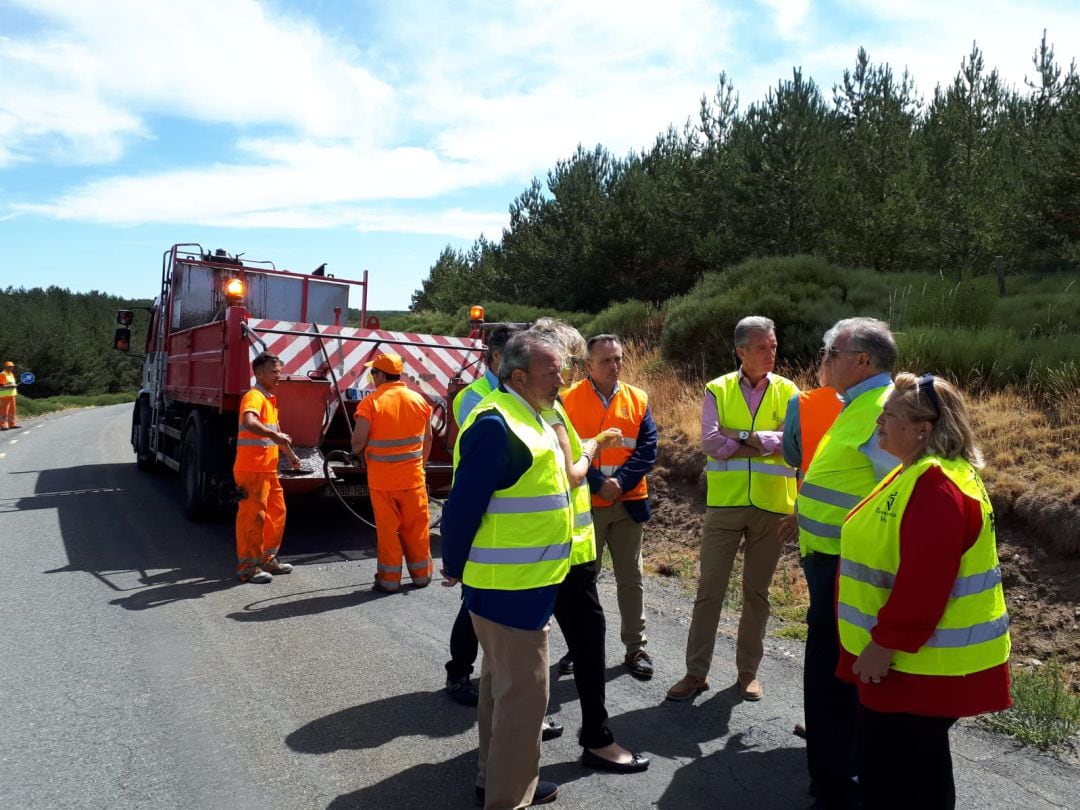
741 775
302 604
126 528
446 784
373 724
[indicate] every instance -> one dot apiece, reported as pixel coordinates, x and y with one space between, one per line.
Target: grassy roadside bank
28 407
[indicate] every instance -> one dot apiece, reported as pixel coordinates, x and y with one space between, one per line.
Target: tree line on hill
66 339
879 178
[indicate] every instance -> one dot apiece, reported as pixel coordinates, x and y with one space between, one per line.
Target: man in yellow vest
8 391
260 517
506 536
858 354
393 431
620 502
750 489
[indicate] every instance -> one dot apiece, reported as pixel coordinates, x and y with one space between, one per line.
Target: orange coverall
395 471
260 518
7 400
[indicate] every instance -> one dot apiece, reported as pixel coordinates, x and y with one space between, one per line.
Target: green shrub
630 320
803 295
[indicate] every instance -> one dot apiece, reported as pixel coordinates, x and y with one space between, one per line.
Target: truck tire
192 458
144 456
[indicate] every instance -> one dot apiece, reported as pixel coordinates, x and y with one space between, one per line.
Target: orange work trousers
260 520
7 412
402 526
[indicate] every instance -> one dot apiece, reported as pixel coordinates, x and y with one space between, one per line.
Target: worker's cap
8 364
386 363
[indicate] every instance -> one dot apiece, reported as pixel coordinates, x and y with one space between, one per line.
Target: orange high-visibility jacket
395 446
590 417
257 453
818 409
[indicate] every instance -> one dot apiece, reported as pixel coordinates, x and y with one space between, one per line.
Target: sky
371 135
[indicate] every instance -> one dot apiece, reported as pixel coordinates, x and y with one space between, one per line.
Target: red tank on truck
215 313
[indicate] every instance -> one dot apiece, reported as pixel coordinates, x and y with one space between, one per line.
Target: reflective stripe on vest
390 457
524 539
590 416
839 476
766 482
746 465
972 634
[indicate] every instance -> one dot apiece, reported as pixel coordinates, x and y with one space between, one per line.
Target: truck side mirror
122 339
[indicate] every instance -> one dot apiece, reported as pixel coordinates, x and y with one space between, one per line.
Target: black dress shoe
566 665
461 689
636 765
546 792
551 729
639 664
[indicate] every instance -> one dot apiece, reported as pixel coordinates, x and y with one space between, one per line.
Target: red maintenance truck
214 314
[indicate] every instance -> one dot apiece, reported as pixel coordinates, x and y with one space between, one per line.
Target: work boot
277 568
639 664
258 577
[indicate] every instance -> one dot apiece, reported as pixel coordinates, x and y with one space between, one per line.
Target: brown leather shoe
751 690
687 688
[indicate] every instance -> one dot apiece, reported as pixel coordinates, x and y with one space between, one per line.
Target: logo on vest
885 514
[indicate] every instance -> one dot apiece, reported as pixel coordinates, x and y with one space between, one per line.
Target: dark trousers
904 761
463 645
829 704
581 619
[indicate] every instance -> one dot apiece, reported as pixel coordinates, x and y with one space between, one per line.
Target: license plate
352 490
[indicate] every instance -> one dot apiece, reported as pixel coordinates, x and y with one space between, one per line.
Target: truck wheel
144 456
191 469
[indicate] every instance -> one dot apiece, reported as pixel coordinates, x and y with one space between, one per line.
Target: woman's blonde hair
936 400
574 348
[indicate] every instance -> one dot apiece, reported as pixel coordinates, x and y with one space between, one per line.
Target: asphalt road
136 673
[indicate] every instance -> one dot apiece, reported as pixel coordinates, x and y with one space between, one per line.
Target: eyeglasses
926 386
831 352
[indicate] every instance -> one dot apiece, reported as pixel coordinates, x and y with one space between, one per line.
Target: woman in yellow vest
921 612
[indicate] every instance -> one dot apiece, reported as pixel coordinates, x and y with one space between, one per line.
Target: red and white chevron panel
428 366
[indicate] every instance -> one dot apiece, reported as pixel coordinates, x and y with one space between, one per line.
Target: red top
939 524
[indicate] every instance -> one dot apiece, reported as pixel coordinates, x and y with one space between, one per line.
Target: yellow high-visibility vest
839 475
766 482
973 633
524 538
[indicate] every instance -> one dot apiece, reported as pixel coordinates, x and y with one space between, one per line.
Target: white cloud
98 68
788 15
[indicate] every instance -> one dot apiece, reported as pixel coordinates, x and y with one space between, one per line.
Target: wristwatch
744 435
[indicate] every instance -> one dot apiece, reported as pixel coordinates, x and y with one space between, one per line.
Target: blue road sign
27 378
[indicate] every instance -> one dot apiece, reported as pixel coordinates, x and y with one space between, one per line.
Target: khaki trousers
513 699
622 535
721 537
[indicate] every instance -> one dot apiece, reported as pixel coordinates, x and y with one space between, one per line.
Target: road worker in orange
393 431
8 390
260 518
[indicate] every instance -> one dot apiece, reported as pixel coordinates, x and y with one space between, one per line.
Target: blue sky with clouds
369 134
